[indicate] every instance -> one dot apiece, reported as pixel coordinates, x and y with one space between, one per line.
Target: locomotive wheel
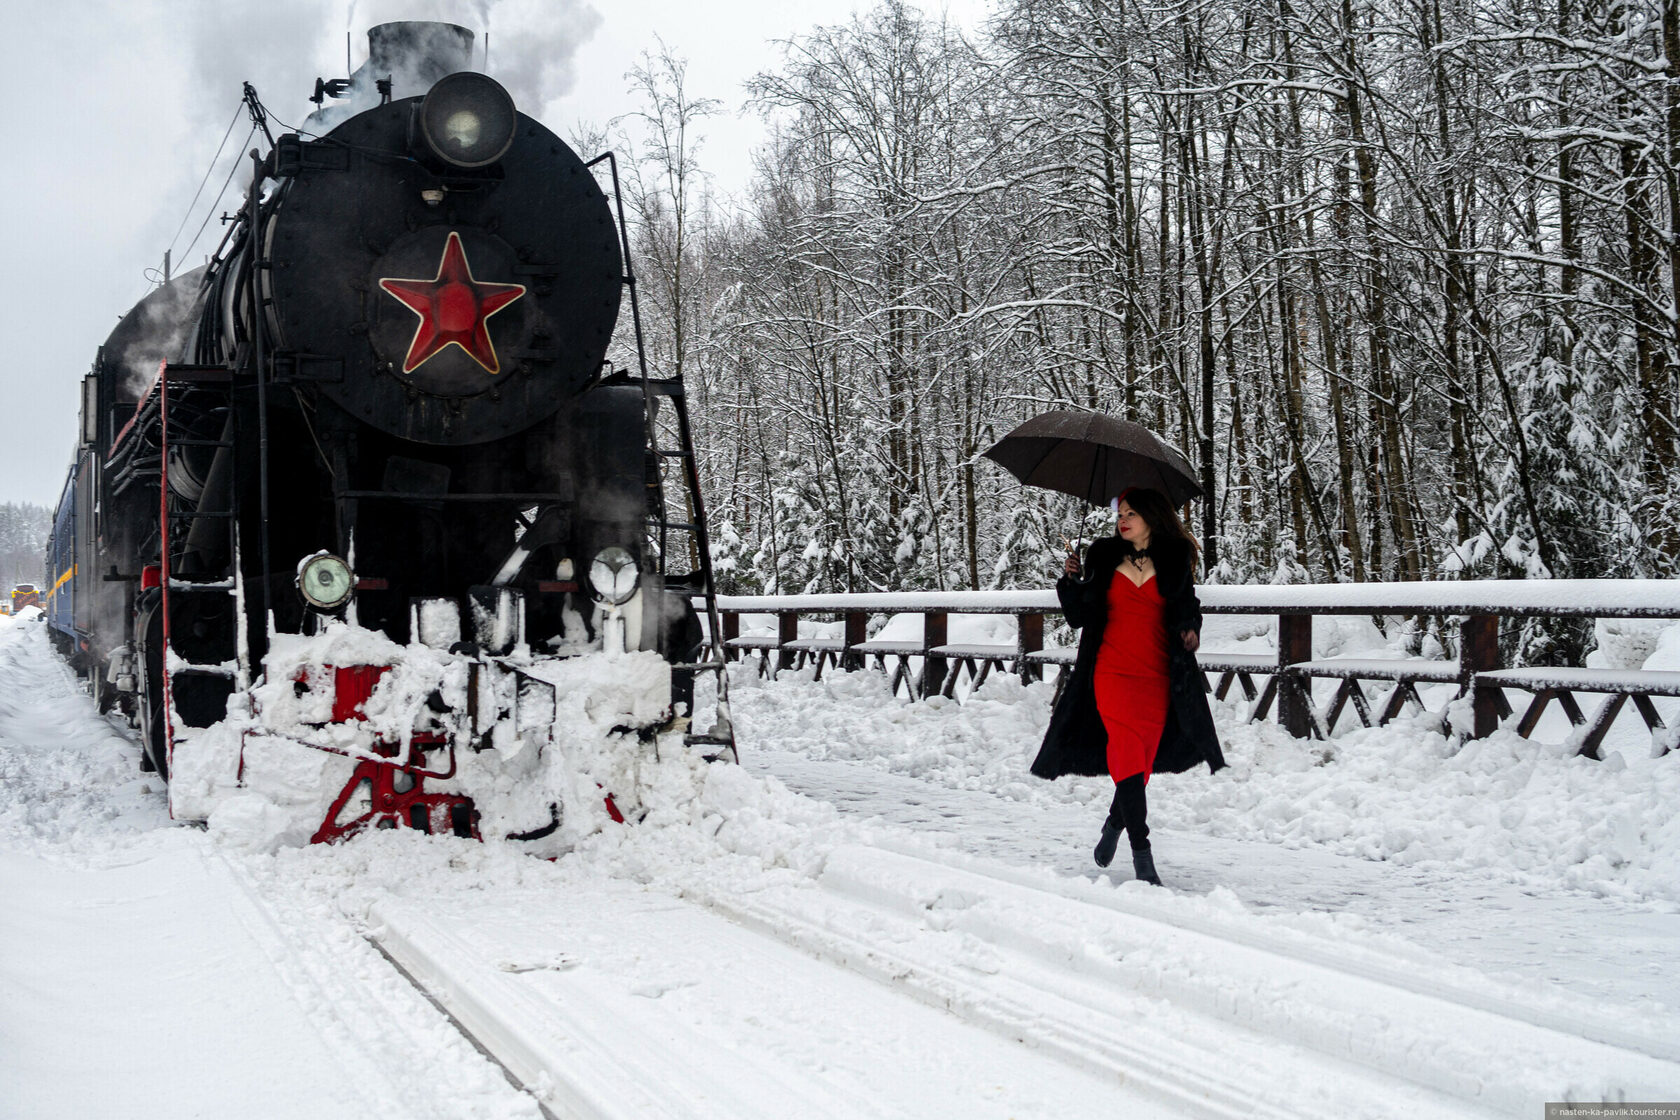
105 695
154 749
97 688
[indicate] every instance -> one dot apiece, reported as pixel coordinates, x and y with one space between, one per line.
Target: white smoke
282 48
412 59
533 44
279 48
154 331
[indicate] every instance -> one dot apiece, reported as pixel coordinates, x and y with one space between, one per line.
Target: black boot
1143 865
1104 855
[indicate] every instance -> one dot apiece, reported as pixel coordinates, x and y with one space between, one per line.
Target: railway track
376 1026
722 1023
1040 981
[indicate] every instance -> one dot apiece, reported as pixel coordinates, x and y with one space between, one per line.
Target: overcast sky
114 110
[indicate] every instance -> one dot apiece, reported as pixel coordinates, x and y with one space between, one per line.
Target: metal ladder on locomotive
136 458
721 737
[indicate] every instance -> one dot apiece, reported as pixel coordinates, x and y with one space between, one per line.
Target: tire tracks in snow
621 1002
1576 1017
414 1059
1207 1014
1130 987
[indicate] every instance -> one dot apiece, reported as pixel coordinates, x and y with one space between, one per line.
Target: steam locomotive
362 530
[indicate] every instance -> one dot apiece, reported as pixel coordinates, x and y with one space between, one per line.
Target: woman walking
1135 703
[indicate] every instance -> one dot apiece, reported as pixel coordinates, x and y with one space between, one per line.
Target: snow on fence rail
933 664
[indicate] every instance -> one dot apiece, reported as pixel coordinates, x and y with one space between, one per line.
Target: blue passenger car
60 603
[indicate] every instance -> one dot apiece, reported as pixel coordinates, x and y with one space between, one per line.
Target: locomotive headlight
462 129
325 581
468 120
613 575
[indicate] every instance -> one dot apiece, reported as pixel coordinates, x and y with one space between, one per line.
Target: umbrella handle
1088 488
1074 554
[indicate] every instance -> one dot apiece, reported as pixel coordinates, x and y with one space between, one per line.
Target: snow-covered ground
878 914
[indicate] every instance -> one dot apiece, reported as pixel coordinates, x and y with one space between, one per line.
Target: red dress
1131 676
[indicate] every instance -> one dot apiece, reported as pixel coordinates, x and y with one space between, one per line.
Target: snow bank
1625 643
696 826
1353 635
717 832
560 731
69 779
1532 812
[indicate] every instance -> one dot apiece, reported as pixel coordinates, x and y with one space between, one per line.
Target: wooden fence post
731 630
857 632
1478 652
787 630
1030 639
934 630
1294 694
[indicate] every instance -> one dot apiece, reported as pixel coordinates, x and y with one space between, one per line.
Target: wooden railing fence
933 665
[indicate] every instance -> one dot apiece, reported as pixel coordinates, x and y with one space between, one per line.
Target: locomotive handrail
392 762
1479 671
255 264
722 732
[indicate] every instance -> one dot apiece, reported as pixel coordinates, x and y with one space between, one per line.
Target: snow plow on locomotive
362 529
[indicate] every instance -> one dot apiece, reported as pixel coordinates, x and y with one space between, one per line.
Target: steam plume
282 48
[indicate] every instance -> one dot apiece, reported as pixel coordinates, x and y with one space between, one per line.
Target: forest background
24 528
1399 276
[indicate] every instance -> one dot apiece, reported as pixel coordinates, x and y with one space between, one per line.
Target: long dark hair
1162 518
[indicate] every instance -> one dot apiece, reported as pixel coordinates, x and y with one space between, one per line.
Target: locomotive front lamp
462 129
325 581
468 120
613 575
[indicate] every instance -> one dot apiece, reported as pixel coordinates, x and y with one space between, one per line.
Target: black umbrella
1095 457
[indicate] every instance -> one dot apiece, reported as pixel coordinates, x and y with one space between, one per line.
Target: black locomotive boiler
361 528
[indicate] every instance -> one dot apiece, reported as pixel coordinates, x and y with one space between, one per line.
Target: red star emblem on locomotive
454 309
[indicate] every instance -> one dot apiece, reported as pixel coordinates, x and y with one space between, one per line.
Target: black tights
1130 811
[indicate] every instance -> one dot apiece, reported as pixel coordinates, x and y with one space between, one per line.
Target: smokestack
416 54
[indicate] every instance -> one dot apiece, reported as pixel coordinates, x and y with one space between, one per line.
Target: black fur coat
1076 741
